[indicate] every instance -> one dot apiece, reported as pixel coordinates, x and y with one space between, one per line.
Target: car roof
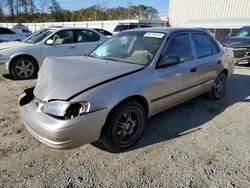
63 28
134 23
246 26
167 30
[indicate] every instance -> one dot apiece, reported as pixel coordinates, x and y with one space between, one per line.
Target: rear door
176 83
208 57
87 41
64 44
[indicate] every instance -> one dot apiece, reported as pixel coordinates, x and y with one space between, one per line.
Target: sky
160 5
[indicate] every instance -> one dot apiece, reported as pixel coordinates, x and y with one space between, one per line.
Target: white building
181 12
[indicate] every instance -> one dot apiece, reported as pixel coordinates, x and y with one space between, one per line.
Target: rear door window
87 36
204 45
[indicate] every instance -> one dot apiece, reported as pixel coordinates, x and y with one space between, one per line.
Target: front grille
240 53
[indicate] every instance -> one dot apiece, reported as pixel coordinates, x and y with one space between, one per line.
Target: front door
175 82
63 45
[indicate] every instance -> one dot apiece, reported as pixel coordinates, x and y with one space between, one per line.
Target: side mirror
168 60
50 42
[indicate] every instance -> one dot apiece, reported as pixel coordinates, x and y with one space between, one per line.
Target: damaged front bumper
56 133
241 54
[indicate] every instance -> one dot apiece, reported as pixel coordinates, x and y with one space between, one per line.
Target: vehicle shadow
191 116
9 77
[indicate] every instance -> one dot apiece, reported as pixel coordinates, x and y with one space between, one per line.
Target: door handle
194 69
72 47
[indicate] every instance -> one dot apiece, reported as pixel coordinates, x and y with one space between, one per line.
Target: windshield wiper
106 58
109 59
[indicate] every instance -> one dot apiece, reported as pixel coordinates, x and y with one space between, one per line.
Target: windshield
131 47
38 36
243 32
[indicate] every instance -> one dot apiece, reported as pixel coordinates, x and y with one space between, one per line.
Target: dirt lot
200 143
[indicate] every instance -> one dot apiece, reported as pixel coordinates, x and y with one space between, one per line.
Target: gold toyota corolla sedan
109 94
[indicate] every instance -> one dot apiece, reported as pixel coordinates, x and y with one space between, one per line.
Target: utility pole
129 5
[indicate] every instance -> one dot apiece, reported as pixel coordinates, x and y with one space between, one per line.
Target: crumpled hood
61 78
236 42
7 45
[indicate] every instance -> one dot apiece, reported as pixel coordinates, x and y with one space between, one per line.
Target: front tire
23 68
123 127
219 87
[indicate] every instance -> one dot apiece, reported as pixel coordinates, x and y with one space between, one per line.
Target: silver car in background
7 35
109 94
23 59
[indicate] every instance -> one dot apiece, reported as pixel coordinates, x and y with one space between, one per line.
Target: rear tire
23 68
123 127
219 87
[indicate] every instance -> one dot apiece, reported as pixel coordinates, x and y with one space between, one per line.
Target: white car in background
23 59
11 35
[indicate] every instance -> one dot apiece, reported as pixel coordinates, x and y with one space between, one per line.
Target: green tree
50 10
55 9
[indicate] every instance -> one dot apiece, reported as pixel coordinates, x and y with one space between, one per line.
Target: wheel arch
22 56
139 98
224 71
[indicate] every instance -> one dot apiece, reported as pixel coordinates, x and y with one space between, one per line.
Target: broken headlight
66 110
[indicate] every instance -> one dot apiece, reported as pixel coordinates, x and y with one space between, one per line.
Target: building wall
183 11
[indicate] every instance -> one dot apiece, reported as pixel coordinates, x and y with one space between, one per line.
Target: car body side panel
58 50
102 97
84 48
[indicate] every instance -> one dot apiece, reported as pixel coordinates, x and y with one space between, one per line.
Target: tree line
24 11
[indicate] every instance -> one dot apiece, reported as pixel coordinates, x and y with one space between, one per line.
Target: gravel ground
200 143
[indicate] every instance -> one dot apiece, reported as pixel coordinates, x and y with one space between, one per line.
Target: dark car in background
7 35
126 26
104 32
240 42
